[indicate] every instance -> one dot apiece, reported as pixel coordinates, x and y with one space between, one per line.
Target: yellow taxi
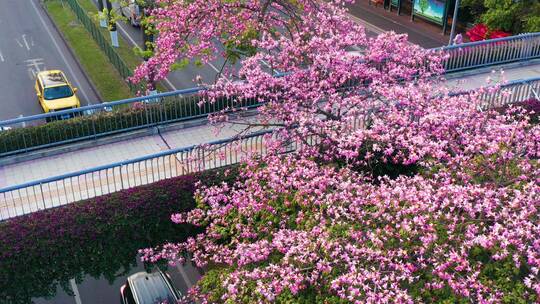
54 92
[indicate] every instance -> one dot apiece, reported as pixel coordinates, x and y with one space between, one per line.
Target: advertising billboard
432 10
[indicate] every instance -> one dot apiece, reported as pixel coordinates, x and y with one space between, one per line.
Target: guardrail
149 111
64 189
60 190
107 119
513 92
473 55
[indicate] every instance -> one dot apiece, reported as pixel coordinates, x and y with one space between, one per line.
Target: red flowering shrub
498 34
478 32
481 32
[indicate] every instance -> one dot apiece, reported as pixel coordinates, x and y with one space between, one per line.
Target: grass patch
107 80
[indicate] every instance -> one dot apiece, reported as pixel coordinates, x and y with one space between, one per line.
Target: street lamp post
454 22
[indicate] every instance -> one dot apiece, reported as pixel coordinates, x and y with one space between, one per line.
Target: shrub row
99 236
170 109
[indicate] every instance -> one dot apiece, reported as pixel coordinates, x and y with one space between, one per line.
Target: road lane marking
75 291
60 51
274 71
25 42
184 276
217 71
170 84
18 42
1 56
34 66
266 64
127 35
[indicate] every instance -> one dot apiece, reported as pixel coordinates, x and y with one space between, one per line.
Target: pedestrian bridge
122 144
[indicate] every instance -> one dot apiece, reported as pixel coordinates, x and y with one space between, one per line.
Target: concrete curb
72 53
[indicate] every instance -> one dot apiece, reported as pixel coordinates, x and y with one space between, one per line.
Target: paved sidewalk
496 74
376 19
87 158
106 181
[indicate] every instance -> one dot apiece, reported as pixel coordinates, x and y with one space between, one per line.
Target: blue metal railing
94 121
60 190
511 92
63 189
484 53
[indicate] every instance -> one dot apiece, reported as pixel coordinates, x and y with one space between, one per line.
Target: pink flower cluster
320 223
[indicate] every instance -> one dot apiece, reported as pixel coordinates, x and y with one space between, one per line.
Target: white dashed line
170 84
266 64
1 57
127 35
217 71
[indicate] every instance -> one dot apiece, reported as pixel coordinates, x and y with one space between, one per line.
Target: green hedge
97 237
172 108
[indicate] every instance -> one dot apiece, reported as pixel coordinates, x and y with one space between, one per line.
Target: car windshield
57 92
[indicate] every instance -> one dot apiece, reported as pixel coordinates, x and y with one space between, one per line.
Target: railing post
42 195
527 42
121 179
145 106
24 143
94 128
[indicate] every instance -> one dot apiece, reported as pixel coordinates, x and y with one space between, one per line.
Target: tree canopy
397 192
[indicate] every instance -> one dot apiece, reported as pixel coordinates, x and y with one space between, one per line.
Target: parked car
4 128
149 288
55 92
132 11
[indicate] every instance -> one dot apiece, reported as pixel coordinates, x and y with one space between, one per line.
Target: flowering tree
198 30
458 222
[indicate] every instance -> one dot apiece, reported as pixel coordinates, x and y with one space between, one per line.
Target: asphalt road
94 291
29 43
